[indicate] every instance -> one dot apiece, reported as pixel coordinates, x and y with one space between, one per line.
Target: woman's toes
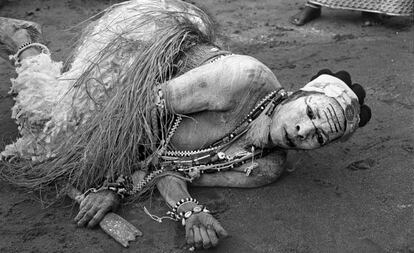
304 16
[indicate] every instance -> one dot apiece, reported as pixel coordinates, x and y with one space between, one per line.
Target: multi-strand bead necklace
211 159
192 163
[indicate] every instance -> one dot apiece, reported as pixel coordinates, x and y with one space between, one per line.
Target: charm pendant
249 169
194 173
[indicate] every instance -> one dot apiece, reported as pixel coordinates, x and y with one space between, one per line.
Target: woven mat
389 7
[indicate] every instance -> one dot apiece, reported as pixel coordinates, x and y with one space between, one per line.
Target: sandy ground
349 197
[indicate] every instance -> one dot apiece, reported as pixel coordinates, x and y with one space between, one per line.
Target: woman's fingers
82 210
94 207
205 237
190 235
213 237
206 233
219 229
84 202
97 217
198 240
88 215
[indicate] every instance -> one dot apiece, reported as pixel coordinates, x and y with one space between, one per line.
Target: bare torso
216 97
234 93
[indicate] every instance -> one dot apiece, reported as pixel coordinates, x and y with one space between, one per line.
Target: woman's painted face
307 122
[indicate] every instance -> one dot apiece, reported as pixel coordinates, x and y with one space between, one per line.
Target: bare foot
309 13
14 33
371 19
11 25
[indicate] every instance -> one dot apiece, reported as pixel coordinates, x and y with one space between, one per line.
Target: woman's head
326 109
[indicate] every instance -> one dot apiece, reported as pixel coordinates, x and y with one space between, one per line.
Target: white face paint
307 122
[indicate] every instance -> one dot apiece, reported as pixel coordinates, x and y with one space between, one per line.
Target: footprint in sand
364 164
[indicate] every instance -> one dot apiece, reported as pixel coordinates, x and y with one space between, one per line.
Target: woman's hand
202 230
94 207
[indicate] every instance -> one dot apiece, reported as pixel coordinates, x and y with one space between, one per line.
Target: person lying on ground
373 11
150 100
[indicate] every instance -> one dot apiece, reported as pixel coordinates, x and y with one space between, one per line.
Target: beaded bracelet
183 216
25 46
120 191
182 202
196 209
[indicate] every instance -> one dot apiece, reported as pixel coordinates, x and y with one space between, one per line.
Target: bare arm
236 179
268 170
172 189
218 86
202 229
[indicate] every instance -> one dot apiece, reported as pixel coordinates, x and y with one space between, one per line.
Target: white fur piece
38 92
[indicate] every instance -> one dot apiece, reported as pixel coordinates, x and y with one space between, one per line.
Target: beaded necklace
192 163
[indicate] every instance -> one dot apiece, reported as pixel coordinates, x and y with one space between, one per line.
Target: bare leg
309 13
269 170
14 33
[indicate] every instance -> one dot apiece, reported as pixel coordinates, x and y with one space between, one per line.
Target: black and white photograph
228 126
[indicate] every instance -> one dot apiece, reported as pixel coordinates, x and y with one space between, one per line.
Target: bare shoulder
251 73
221 85
244 78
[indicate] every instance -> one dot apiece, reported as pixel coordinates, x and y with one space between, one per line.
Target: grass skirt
94 122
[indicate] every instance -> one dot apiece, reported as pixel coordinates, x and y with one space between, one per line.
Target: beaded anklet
25 46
